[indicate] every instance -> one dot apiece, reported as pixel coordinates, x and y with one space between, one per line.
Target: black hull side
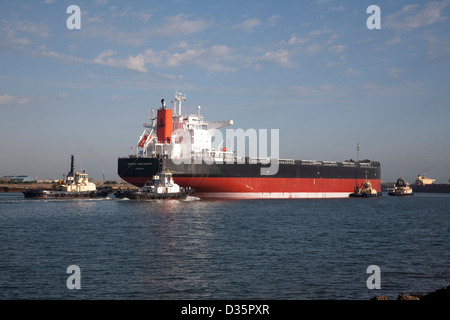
432 188
142 169
48 194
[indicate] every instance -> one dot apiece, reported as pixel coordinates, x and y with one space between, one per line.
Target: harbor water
305 249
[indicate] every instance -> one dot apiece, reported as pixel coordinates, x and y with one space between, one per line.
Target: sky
312 69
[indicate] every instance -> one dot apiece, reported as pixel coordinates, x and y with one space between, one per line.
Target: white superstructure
77 183
161 183
190 136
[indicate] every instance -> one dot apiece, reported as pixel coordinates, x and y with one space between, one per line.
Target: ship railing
286 161
363 164
311 162
255 160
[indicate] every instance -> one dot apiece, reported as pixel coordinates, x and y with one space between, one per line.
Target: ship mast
179 97
70 174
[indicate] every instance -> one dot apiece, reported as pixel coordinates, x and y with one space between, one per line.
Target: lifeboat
141 144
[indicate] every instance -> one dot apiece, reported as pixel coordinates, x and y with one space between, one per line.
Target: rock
379 298
442 294
402 296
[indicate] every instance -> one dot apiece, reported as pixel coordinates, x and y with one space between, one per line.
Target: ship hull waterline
244 181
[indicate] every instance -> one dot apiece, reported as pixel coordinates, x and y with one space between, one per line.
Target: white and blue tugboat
75 185
161 186
365 190
401 189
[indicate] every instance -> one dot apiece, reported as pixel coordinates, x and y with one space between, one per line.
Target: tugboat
75 185
401 189
366 190
161 186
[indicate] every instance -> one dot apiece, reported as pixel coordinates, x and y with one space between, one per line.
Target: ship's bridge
189 134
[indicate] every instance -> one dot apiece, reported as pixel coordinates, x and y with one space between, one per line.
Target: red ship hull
268 188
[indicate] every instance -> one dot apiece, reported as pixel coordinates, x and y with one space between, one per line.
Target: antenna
179 97
153 118
357 152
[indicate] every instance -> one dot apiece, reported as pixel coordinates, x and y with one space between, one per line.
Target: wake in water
191 198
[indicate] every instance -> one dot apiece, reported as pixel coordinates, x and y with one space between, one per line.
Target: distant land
7 185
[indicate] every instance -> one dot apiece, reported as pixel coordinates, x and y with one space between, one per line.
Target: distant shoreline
22 186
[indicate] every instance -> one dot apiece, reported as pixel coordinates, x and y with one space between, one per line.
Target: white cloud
320 31
279 57
312 90
248 24
338 8
134 63
21 41
395 40
31 28
273 20
350 72
409 17
339 48
173 27
209 58
314 47
371 86
295 41
13 100
17 33
342 60
394 73
178 25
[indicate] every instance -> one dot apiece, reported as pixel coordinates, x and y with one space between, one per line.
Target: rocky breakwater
442 294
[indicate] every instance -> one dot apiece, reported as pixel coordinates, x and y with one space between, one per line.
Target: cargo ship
425 184
183 145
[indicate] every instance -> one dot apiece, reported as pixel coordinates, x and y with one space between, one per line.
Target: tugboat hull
400 194
139 195
49 194
363 195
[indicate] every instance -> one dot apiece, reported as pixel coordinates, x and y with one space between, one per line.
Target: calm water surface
198 249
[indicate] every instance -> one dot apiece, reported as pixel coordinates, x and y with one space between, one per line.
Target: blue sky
309 68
